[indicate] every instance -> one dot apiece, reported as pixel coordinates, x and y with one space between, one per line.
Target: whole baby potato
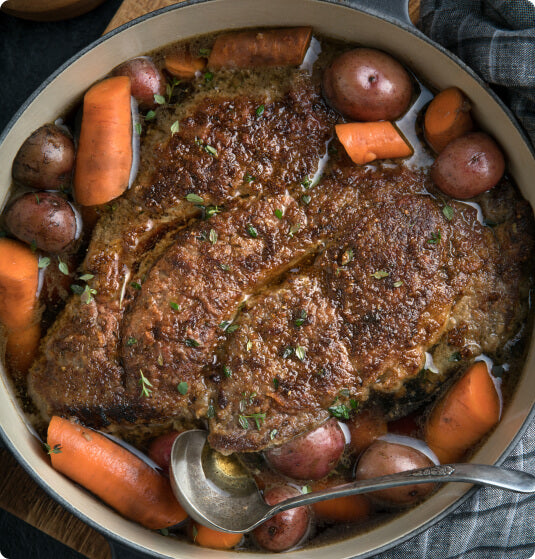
310 456
45 160
43 219
384 458
145 78
367 85
286 529
468 166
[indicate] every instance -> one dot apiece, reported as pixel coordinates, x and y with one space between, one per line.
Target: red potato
310 456
147 81
367 85
383 458
468 166
286 529
44 220
45 160
160 449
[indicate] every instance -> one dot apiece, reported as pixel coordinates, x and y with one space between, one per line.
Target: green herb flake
213 236
249 345
306 199
260 110
252 231
78 289
44 262
278 214
210 412
194 198
63 268
306 182
37 200
294 229
194 533
205 53
398 283
138 128
164 531
150 115
380 274
208 77
190 342
301 318
300 353
306 489
435 238
135 285
56 449
145 384
249 178
160 360
131 341
232 328
258 418
33 246
86 277
225 267
182 388
211 211
175 127
276 383
227 371
273 434
339 411
174 306
159 99
454 357
447 211
87 294
211 150
347 256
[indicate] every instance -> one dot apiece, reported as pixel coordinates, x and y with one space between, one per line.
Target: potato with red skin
468 166
160 449
44 220
146 80
45 160
309 456
384 458
286 529
367 85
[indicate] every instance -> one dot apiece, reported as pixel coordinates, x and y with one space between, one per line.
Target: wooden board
19 494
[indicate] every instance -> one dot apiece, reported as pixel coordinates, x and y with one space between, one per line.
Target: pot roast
230 287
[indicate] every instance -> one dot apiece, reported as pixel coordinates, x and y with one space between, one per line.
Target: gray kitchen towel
496 38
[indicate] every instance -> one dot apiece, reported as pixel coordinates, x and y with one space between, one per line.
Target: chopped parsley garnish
252 231
447 211
258 418
194 198
435 238
174 306
190 342
44 261
182 387
278 214
135 285
260 110
380 274
146 385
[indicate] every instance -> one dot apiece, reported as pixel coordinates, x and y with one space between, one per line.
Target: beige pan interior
337 21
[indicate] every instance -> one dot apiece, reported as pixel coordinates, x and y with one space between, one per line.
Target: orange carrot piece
104 156
364 428
447 117
353 508
19 281
464 415
183 65
256 49
21 349
114 474
207 537
367 141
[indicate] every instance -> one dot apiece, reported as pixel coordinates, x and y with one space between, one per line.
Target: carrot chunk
114 474
183 65
352 508
19 280
464 415
447 117
207 537
21 349
256 49
104 157
367 141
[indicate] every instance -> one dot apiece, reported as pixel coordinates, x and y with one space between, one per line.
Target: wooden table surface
19 494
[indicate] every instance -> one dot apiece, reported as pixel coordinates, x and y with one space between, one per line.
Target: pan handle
397 10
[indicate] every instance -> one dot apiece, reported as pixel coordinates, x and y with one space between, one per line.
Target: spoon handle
481 474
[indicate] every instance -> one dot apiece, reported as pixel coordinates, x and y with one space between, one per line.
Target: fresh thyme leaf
160 360
260 110
306 182
131 341
194 198
190 342
211 211
248 178
227 371
347 257
213 236
448 212
159 99
273 434
211 150
146 385
435 238
175 127
252 231
380 274
278 214
339 411
63 268
294 229
205 53
210 412
87 294
182 387
164 531
232 328
398 283
300 353
249 345
174 306
258 418
242 420
150 115
208 76
225 267
44 261
301 319
276 383
138 128
306 489
135 285
306 199
86 277
78 289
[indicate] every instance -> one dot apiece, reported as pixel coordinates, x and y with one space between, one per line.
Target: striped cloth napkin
496 38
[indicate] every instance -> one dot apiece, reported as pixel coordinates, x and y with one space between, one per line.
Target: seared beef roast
268 300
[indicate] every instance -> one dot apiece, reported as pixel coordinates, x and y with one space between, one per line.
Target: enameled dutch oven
376 23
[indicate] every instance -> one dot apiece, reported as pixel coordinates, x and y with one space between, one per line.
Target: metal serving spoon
218 492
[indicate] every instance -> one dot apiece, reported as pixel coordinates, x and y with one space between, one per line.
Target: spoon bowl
218 492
